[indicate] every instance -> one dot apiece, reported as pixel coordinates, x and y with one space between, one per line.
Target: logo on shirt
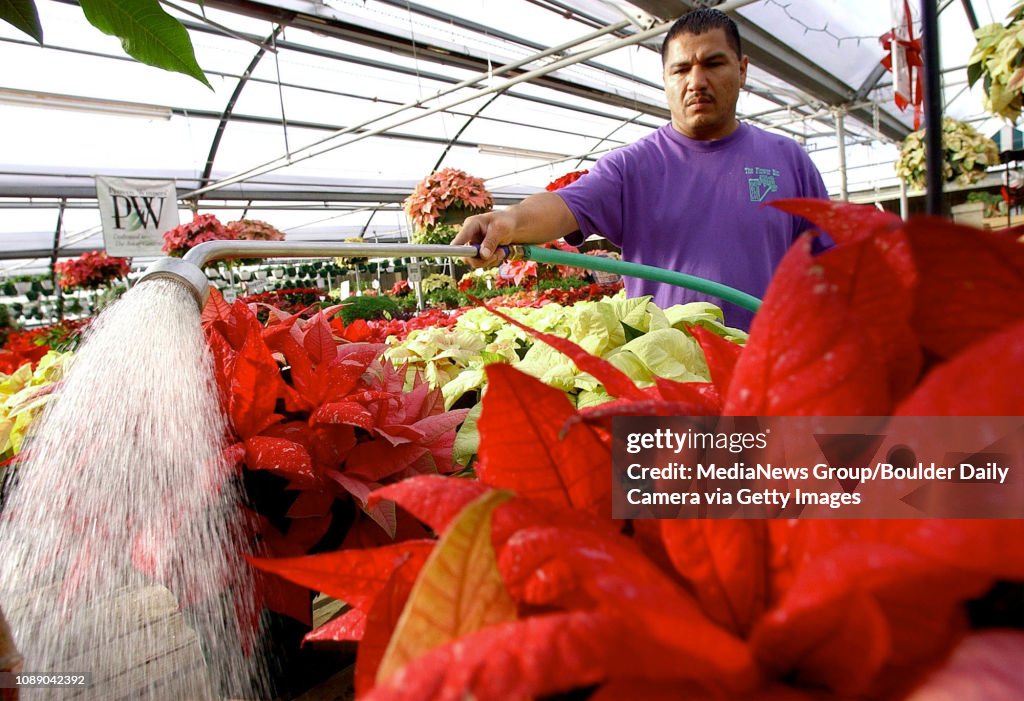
761 183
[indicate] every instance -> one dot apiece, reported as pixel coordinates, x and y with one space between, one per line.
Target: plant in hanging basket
202 228
91 270
253 230
447 196
998 60
967 154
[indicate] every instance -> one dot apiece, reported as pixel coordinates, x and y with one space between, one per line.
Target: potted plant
967 155
202 228
91 270
998 61
444 199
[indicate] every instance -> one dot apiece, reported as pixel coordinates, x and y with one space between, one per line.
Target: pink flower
253 230
91 270
443 189
202 228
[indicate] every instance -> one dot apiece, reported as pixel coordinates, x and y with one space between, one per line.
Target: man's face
703 78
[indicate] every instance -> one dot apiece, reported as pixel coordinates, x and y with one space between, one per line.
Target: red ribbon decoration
915 64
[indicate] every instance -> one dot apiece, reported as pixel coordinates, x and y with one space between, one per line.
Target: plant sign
135 214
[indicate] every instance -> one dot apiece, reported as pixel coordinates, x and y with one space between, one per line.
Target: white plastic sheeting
312 83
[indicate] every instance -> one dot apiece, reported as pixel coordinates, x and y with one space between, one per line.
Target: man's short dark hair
702 20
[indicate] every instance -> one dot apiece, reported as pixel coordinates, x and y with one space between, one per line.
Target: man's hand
539 218
490 231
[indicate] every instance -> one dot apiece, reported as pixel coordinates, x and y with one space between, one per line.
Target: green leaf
631 332
22 15
147 34
974 71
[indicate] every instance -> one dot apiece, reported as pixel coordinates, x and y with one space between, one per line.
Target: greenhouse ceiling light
53 101
496 150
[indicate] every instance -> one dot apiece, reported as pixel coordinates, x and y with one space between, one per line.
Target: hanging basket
457 214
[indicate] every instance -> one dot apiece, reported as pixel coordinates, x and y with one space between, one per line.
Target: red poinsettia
253 230
202 228
341 424
532 590
567 179
444 189
91 270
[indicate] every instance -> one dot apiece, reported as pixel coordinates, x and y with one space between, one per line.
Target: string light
784 6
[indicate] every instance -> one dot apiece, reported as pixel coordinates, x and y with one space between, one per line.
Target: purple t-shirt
698 207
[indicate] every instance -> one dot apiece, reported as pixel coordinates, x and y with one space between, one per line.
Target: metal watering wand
189 270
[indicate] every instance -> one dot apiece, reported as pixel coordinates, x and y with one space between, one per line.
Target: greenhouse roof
324 114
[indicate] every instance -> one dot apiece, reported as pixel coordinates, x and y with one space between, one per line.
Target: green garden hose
647 272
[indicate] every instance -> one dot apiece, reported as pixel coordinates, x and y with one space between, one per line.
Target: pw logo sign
135 214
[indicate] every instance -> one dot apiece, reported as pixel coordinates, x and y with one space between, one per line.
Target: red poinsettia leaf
611 571
223 357
215 309
341 376
441 451
284 597
377 459
976 382
840 648
397 435
521 449
311 503
601 413
351 413
283 457
844 222
726 564
433 427
412 404
254 386
304 533
353 576
433 499
365 533
721 356
674 689
616 382
358 488
994 548
458 591
881 602
307 392
357 331
807 353
521 659
319 341
697 393
330 444
350 625
382 619
971 284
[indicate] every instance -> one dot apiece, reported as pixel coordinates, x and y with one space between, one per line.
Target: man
689 197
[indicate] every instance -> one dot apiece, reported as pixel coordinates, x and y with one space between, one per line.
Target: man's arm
537 219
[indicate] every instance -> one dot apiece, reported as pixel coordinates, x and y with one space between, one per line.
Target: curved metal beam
452 141
225 116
